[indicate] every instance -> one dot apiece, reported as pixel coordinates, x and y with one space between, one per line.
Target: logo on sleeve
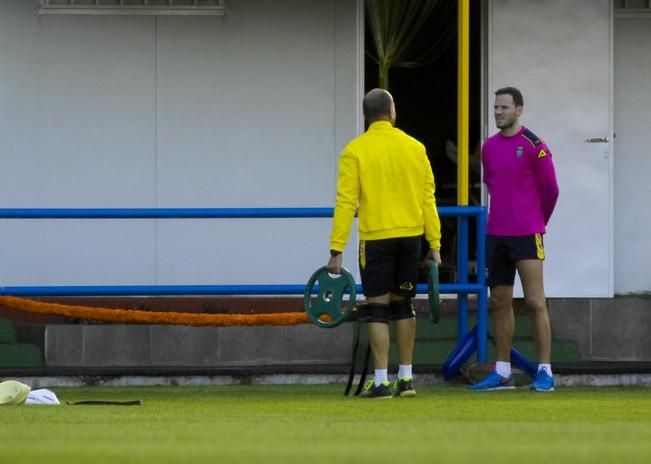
407 286
542 153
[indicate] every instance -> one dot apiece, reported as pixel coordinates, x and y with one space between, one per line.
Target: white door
559 54
632 161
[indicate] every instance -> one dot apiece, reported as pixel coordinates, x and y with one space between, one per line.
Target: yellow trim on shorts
362 254
540 250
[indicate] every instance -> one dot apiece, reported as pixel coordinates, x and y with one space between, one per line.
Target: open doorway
424 88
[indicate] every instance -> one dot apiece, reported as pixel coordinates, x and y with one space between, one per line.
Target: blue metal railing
163 213
462 287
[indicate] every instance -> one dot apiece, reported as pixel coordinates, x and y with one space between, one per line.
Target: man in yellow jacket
385 176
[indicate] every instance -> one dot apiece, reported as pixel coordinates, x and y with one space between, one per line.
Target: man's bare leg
501 306
531 276
378 334
405 340
405 336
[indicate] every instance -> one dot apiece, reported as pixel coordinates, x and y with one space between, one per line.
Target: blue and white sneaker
543 382
494 381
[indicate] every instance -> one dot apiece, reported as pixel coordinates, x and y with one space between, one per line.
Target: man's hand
334 264
434 255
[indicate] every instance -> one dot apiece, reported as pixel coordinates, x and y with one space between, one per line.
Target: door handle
597 140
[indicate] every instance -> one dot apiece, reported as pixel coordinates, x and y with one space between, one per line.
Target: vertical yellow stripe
463 107
362 254
540 250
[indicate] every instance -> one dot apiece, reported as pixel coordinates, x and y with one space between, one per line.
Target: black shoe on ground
404 387
380 391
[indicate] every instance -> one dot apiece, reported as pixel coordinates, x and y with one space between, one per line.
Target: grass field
317 424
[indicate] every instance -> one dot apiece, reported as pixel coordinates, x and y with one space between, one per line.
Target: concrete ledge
610 330
606 329
150 346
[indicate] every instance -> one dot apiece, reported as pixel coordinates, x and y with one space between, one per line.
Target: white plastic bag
42 396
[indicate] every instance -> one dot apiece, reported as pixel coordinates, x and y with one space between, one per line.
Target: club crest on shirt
519 151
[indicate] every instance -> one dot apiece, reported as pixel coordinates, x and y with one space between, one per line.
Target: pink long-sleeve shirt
519 173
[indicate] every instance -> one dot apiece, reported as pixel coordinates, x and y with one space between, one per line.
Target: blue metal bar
162 213
482 297
131 290
462 276
195 213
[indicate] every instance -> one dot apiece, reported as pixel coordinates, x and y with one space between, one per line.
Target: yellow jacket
387 175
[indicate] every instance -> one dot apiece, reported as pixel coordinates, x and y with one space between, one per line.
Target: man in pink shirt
519 174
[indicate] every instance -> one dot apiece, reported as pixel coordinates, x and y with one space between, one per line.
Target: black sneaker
404 387
371 391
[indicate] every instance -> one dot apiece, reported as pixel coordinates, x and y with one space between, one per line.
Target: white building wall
248 110
632 160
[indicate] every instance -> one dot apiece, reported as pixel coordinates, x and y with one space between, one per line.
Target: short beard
506 125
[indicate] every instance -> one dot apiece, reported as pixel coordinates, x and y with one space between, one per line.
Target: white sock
380 376
503 368
404 370
547 367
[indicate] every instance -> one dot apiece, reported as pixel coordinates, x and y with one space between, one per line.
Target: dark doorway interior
426 105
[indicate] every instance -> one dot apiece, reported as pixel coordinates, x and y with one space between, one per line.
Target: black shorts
503 252
389 266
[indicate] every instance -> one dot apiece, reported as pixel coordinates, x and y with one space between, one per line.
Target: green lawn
317 424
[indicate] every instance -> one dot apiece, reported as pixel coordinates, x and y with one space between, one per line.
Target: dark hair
515 93
377 105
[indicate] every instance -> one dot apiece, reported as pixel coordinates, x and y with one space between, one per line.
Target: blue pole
139 290
162 213
194 213
462 276
482 296
157 290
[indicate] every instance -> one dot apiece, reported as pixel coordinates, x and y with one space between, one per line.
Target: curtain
409 33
